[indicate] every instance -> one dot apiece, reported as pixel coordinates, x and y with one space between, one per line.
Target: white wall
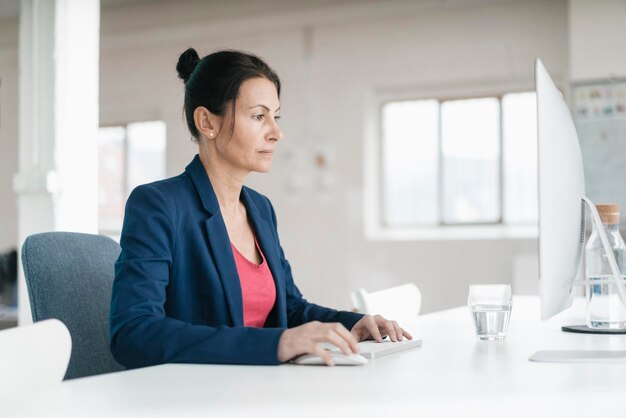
448 48
597 32
331 56
346 52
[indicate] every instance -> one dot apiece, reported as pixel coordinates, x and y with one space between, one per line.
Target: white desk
453 374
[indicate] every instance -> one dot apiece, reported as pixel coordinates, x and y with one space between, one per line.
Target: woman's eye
276 118
258 117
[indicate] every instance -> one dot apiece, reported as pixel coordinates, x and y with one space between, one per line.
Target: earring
211 134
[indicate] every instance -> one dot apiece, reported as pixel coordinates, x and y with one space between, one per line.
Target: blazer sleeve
141 334
299 310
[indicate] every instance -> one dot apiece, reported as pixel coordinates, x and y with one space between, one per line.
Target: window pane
146 153
111 191
519 130
410 162
470 144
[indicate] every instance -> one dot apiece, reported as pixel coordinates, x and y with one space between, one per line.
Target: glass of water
490 305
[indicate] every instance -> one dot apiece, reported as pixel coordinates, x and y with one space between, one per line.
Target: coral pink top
258 291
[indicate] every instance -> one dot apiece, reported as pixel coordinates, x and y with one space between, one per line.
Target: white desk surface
453 374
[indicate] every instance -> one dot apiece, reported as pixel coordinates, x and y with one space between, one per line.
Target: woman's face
256 132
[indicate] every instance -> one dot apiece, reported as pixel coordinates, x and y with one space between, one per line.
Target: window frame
111 232
115 234
375 228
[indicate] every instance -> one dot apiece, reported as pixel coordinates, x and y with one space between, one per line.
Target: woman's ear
206 122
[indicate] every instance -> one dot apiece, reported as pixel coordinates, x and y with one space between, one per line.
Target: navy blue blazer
176 295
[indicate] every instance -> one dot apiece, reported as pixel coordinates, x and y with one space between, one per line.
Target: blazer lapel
270 247
218 241
226 267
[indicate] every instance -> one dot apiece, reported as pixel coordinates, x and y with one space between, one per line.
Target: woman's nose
276 133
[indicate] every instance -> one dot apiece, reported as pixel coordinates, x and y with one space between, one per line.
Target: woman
202 277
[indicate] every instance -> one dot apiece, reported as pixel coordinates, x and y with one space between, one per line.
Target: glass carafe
605 307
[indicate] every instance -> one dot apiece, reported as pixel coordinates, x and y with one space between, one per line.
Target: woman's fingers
378 327
387 327
406 334
372 327
324 354
399 335
347 336
339 336
307 339
338 340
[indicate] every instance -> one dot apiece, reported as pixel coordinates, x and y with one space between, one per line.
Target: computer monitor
561 192
562 201
562 204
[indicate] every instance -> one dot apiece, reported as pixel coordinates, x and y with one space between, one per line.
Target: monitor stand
582 356
584 329
579 356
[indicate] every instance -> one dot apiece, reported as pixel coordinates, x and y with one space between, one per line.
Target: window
128 156
459 162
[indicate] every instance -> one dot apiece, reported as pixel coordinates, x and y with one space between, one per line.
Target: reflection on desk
453 374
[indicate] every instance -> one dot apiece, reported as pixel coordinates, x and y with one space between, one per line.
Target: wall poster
599 110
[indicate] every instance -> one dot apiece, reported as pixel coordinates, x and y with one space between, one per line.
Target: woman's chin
264 168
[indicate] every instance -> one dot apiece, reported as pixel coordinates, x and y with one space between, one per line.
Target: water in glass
491 321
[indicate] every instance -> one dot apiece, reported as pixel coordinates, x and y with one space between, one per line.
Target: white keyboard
372 349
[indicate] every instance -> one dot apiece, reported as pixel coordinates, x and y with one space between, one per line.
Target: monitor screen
561 192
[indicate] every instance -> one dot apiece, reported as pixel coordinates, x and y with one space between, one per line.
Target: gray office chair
69 277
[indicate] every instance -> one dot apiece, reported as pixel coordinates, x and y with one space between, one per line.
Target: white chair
33 357
397 303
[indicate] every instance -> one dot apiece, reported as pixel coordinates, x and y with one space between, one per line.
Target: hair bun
187 63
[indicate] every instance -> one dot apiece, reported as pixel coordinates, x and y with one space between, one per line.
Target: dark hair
213 82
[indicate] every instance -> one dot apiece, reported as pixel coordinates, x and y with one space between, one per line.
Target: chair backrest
69 276
397 303
33 357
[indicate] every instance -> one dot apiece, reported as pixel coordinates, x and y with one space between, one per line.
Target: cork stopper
609 213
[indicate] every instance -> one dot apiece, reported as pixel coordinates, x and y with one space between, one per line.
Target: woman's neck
226 182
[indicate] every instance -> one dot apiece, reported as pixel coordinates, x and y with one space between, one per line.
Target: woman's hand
306 339
376 327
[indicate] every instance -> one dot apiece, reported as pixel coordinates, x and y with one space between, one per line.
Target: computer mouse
339 359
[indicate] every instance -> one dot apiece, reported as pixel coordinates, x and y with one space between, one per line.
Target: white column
77 50
58 121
